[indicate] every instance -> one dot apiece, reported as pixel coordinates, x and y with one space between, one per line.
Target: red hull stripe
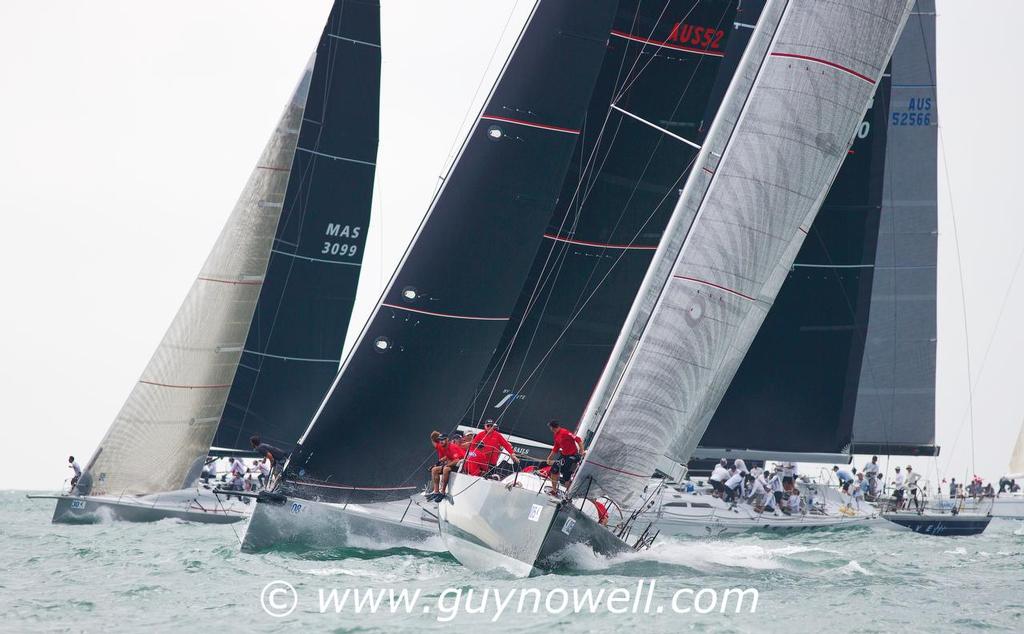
186 387
272 169
712 284
825 62
674 47
244 282
584 243
804 230
446 315
530 124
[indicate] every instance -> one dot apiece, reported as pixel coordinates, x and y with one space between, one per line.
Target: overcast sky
131 127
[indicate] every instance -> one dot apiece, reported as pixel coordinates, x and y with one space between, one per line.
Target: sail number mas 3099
332 247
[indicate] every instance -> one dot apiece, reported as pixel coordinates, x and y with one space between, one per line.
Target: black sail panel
428 342
831 362
660 70
294 345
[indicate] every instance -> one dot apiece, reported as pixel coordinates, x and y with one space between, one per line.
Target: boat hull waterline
308 525
940 524
191 505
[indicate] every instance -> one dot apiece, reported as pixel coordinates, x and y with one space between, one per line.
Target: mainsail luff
611 212
159 439
776 146
294 346
428 341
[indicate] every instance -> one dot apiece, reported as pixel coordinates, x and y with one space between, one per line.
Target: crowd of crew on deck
772 491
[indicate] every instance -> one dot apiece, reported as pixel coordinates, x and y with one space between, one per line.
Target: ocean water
172 575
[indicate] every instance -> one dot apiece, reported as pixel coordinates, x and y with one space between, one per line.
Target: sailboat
854 322
285 263
361 464
1010 505
779 138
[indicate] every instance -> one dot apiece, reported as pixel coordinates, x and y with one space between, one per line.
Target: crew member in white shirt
740 465
73 465
897 485
733 486
912 479
871 468
718 477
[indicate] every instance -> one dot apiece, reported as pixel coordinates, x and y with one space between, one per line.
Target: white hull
309 525
699 515
192 505
490 525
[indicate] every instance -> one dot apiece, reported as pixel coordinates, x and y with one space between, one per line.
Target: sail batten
772 154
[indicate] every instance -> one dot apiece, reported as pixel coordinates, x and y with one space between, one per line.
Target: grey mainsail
788 118
159 439
895 407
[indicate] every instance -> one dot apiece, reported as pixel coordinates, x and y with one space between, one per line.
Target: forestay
775 147
162 434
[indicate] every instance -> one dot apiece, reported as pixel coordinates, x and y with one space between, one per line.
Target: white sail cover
161 436
780 137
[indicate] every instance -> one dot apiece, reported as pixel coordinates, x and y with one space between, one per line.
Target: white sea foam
854 568
704 556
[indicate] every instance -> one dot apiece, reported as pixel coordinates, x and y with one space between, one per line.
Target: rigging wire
585 298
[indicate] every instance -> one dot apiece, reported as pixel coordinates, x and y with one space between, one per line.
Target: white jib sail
784 128
159 439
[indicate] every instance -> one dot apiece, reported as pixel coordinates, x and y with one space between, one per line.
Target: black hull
941 525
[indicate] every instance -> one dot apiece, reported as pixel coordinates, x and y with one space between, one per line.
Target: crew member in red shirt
449 455
569 448
486 449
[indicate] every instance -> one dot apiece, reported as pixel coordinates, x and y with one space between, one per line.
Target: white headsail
1017 457
784 128
162 434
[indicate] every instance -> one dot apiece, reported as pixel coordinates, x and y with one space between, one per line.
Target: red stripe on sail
818 60
530 124
675 47
712 284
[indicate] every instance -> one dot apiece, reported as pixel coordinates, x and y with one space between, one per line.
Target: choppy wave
112 576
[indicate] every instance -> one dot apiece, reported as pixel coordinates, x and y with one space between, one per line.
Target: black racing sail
294 345
420 357
845 360
663 75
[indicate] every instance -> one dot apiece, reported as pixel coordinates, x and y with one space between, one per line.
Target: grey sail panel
772 153
159 439
895 409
